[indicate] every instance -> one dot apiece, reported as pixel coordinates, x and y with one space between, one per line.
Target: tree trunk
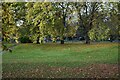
38 40
87 39
62 41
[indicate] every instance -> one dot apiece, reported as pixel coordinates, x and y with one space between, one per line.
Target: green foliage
9 29
25 39
39 16
99 20
99 33
38 20
106 27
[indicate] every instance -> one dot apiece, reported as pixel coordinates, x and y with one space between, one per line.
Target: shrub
25 39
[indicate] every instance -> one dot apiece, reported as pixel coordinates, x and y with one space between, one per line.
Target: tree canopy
39 20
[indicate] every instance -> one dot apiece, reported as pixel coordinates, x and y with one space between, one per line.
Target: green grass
30 56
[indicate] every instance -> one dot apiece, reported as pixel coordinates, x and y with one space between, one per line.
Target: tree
63 12
37 20
20 19
9 29
39 16
48 19
86 14
107 26
93 14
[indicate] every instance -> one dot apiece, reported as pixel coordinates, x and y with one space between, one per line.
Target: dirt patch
101 71
91 71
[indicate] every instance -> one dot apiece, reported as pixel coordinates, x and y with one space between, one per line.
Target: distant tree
20 19
106 27
37 20
63 20
94 14
39 16
48 19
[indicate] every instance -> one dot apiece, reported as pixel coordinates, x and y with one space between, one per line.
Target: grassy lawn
56 60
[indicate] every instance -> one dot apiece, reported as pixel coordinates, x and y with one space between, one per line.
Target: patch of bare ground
91 71
101 71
